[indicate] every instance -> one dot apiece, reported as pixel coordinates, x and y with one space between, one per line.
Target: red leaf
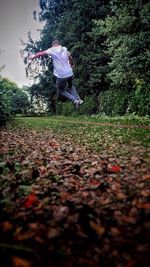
115 168
30 201
94 184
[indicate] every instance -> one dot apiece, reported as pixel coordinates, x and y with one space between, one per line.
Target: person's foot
80 101
76 103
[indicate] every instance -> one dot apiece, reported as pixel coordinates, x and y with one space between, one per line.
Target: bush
120 102
59 107
89 106
65 109
140 102
114 102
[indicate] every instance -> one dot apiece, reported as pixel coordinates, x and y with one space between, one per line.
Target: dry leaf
99 229
20 262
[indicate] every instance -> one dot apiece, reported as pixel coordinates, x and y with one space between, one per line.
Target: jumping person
63 64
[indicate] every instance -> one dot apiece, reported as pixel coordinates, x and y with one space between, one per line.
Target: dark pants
71 92
63 82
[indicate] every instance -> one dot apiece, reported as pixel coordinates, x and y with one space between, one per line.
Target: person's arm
39 54
71 61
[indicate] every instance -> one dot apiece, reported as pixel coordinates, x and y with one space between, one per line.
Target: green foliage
68 109
19 102
90 60
5 99
89 105
140 103
114 102
65 109
12 99
59 108
120 102
127 42
109 41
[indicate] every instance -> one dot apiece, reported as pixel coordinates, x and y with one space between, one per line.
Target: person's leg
68 95
72 90
61 83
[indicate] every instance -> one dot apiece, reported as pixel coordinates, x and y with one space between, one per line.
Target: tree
19 102
3 66
126 32
12 99
109 41
71 22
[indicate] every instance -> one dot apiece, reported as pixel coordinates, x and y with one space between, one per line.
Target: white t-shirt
62 68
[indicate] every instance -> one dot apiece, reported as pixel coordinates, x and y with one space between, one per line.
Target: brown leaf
129 219
52 233
85 194
99 229
145 193
6 226
24 236
53 144
20 262
105 200
115 231
65 196
143 206
146 177
33 132
121 195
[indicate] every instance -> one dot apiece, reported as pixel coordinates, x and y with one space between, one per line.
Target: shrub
140 102
114 102
89 105
120 102
65 108
68 109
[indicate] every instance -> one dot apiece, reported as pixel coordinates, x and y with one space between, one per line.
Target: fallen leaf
30 201
143 206
115 168
129 219
24 236
53 144
52 233
146 177
20 262
99 229
115 231
94 184
131 263
7 226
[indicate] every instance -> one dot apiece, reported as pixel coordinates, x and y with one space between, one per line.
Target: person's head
55 43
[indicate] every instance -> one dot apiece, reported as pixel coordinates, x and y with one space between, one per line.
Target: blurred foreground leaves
63 204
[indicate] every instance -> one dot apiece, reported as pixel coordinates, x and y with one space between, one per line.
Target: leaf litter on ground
63 204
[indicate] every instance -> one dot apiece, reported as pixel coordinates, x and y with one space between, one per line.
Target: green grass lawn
86 131
123 120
